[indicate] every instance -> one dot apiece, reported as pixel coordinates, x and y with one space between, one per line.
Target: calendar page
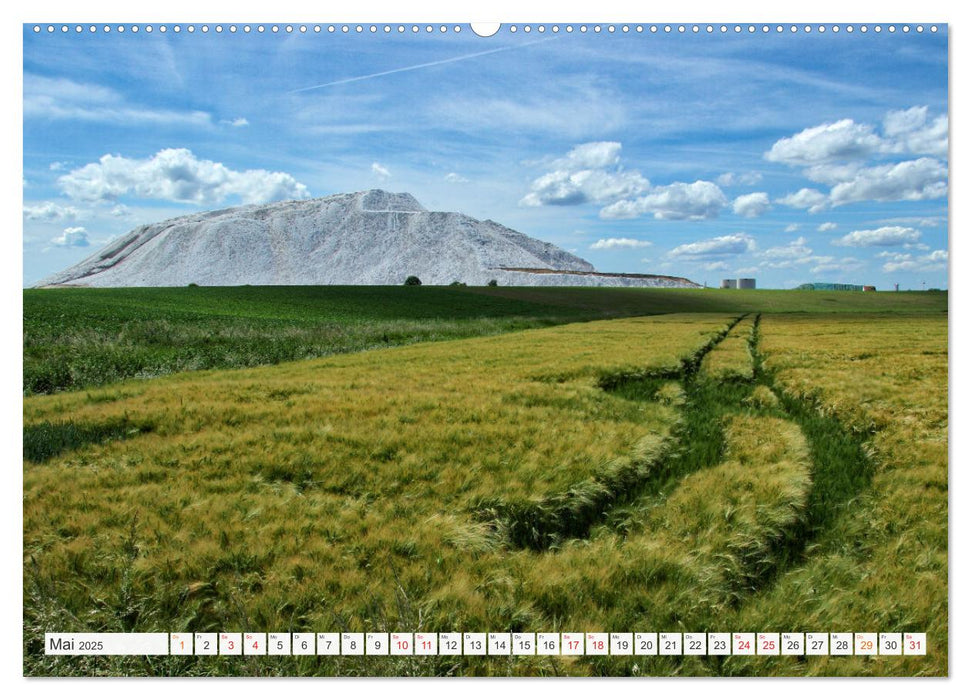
515 349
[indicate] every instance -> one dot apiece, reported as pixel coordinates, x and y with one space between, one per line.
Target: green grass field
77 338
649 460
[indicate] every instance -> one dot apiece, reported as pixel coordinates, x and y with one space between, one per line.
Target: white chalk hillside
372 237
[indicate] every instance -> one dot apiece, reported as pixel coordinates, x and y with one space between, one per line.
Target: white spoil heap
368 238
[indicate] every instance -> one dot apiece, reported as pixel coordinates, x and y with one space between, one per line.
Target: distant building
740 283
836 287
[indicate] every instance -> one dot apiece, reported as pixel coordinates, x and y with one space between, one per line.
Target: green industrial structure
836 287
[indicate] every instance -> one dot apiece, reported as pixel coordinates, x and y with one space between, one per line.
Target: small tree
493 283
412 281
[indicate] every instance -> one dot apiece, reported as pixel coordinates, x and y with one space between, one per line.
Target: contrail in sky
420 65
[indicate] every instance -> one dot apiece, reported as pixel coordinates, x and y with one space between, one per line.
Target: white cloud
835 154
831 264
751 205
918 221
832 173
381 171
175 174
827 226
592 173
904 121
714 249
237 122
906 262
910 132
806 198
793 249
56 165
582 177
677 201
72 237
595 155
738 179
455 178
796 253
715 266
51 211
792 228
883 236
562 187
842 140
904 131
910 180
60 98
613 243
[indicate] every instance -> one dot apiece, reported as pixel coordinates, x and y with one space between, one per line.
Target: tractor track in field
572 513
840 467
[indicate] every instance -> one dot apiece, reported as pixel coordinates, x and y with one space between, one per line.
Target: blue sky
785 157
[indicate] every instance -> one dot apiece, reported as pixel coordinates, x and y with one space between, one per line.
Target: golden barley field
680 472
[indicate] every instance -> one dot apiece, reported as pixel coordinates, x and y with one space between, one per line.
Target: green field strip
76 338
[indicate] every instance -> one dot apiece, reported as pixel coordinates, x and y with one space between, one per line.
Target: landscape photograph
525 350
